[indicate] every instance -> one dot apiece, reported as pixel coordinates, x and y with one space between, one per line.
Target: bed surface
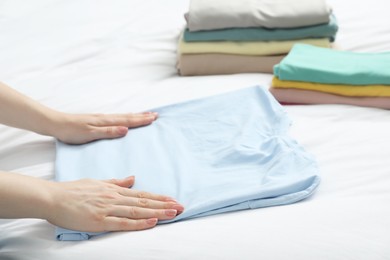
119 56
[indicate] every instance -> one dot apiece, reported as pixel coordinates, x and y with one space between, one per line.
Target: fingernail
129 178
150 113
152 221
122 130
171 212
153 115
178 207
169 199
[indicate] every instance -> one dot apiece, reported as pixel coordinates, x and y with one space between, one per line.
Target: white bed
119 56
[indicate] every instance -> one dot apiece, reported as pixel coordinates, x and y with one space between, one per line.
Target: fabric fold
299 96
218 14
219 64
344 90
216 154
327 30
247 48
328 66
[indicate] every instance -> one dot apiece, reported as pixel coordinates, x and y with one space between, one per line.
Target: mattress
119 56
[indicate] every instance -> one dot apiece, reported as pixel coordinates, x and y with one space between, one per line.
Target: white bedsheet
119 56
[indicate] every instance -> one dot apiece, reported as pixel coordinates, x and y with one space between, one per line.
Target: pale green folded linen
321 65
246 48
326 30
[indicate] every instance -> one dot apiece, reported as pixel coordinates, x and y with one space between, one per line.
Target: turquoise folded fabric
217 154
327 30
321 65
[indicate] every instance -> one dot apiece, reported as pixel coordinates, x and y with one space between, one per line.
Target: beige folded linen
214 64
298 96
247 48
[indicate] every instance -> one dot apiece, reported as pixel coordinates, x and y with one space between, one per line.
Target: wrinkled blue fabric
216 154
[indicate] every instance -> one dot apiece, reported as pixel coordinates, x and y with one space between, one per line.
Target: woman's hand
84 128
84 205
96 206
18 110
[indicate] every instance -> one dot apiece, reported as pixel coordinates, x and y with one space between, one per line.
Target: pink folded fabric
214 64
297 96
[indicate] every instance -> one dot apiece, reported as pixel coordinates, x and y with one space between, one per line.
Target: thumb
126 183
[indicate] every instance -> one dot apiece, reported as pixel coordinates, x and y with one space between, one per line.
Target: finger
125 224
138 119
150 204
126 183
128 120
146 195
109 132
111 116
141 213
155 114
142 199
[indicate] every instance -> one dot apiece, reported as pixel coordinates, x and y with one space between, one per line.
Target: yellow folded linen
344 90
247 48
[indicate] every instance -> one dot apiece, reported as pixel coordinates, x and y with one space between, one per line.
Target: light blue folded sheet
216 154
327 30
328 66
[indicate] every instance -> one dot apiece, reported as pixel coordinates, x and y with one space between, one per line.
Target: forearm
19 111
24 197
85 205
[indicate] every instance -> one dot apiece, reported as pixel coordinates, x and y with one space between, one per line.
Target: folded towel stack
314 75
244 36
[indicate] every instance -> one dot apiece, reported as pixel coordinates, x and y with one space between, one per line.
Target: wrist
52 202
46 201
54 123
25 196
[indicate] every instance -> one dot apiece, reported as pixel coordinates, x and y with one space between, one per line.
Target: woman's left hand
84 128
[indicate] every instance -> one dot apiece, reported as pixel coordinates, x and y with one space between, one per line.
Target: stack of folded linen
244 36
314 75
